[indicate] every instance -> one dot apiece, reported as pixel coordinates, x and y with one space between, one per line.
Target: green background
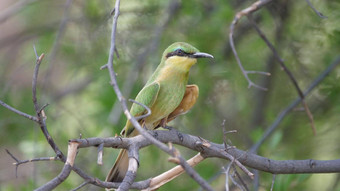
81 98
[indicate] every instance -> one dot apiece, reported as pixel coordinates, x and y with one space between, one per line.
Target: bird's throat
176 69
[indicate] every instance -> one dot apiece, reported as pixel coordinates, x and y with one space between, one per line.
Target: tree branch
71 155
254 7
214 150
30 117
141 60
285 111
40 114
285 68
315 10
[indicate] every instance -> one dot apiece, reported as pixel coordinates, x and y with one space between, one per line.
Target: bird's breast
169 97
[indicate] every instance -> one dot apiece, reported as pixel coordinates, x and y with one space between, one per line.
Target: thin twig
81 185
146 107
315 10
19 162
30 117
41 119
254 7
293 104
149 48
273 181
226 172
240 178
231 176
285 68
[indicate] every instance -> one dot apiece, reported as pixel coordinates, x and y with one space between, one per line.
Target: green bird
166 93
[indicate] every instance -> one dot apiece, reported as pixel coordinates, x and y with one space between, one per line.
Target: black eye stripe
178 52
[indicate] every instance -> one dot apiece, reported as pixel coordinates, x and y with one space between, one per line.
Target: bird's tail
119 169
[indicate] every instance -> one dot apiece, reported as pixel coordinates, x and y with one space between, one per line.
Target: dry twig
254 7
285 68
293 104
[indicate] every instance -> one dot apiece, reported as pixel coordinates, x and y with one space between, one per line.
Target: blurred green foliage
81 98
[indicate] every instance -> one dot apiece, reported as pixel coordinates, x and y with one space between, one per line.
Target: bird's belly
167 101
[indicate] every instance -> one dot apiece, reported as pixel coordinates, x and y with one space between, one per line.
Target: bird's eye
180 52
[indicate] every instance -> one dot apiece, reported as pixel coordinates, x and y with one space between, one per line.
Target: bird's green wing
146 96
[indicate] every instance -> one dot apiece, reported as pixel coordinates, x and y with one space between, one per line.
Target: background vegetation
75 37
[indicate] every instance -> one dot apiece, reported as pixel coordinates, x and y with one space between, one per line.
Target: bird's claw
168 127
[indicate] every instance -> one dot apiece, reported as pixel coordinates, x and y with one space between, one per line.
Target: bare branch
226 172
315 10
232 175
230 157
149 48
290 107
273 181
285 68
40 117
217 150
130 175
19 162
171 174
81 185
71 155
144 106
240 178
254 7
30 117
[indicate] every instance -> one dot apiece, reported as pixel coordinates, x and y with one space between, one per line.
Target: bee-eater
166 93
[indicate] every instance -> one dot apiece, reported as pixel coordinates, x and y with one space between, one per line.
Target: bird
167 95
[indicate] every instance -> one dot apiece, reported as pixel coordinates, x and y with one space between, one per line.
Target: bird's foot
168 127
154 133
179 134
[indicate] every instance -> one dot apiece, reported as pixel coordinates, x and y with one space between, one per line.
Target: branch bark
215 150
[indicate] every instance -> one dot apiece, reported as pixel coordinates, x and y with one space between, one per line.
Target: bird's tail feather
119 169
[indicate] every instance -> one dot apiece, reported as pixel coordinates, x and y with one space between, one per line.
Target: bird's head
183 55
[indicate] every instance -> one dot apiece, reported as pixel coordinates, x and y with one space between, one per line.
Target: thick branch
214 150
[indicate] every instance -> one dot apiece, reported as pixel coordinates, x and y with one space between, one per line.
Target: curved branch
39 112
71 155
254 7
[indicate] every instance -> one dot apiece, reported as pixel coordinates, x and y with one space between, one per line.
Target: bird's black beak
202 55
